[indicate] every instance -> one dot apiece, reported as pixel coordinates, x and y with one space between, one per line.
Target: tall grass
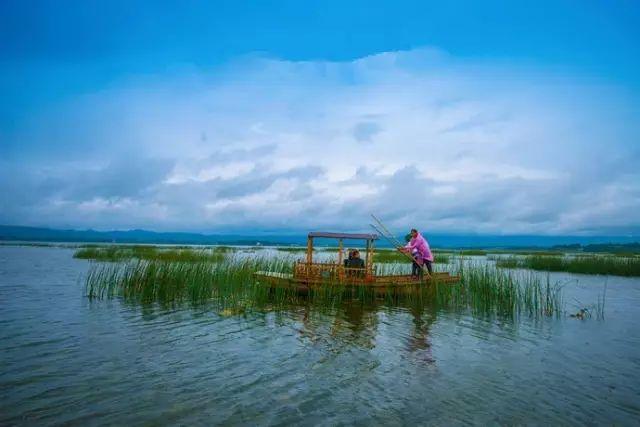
168 282
392 255
617 266
485 289
464 252
231 284
294 249
529 252
472 252
121 253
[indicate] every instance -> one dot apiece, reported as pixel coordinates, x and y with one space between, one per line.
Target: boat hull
379 284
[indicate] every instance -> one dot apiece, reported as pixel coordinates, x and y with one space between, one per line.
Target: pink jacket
420 243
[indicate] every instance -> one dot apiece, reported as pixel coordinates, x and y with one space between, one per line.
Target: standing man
420 252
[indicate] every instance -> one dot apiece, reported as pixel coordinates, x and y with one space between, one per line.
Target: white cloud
418 137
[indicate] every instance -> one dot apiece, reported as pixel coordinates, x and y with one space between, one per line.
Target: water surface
66 359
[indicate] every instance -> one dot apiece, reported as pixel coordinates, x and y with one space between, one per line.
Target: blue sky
484 117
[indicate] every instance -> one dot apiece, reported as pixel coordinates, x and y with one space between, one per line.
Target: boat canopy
354 236
370 238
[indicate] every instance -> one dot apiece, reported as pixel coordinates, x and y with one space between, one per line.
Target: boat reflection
357 324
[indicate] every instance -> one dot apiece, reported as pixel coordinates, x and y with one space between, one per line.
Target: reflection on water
67 359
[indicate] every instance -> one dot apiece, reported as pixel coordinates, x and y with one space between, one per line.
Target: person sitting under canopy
354 263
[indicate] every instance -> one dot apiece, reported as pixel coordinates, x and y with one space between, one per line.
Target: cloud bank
418 137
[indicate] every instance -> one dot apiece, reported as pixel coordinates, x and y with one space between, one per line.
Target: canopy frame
368 237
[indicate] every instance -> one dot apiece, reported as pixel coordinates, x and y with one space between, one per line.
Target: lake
66 359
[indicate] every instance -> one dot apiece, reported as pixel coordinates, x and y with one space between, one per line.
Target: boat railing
330 271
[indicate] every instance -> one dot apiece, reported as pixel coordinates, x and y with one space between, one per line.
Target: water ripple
69 360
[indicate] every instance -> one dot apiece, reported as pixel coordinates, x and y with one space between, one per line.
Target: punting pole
388 233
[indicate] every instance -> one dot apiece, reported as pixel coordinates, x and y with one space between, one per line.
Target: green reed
392 255
465 252
485 289
173 281
117 253
294 249
593 264
231 283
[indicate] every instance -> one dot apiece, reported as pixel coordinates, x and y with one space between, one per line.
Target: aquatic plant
119 253
291 249
392 255
107 253
231 284
468 252
485 289
593 264
527 252
588 311
506 262
165 282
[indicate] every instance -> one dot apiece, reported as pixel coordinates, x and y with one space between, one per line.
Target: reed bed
527 252
484 288
293 249
463 252
603 264
392 256
494 252
230 284
470 252
122 253
170 281
224 249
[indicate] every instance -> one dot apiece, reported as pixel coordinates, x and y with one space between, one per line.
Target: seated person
354 262
347 261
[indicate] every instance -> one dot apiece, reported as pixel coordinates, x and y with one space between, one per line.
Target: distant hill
619 248
19 233
38 234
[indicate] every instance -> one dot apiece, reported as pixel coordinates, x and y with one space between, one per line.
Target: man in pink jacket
419 249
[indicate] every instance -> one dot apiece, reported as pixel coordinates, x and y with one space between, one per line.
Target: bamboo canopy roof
354 236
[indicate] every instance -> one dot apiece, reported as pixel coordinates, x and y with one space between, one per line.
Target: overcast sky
229 116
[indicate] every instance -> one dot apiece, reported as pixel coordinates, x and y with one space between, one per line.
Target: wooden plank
355 236
309 249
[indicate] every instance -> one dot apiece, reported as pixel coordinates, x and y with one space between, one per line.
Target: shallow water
66 359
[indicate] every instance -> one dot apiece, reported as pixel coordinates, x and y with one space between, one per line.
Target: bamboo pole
395 242
389 233
309 250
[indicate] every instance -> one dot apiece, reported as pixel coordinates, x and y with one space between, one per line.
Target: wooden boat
308 274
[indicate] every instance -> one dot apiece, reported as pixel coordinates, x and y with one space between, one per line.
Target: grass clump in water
230 281
393 256
294 249
121 253
487 286
231 284
469 252
617 266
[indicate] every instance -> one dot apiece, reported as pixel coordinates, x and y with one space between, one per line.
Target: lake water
65 359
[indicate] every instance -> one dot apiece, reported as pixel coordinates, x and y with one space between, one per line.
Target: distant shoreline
31 236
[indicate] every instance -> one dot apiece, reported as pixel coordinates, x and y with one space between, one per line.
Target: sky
493 117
